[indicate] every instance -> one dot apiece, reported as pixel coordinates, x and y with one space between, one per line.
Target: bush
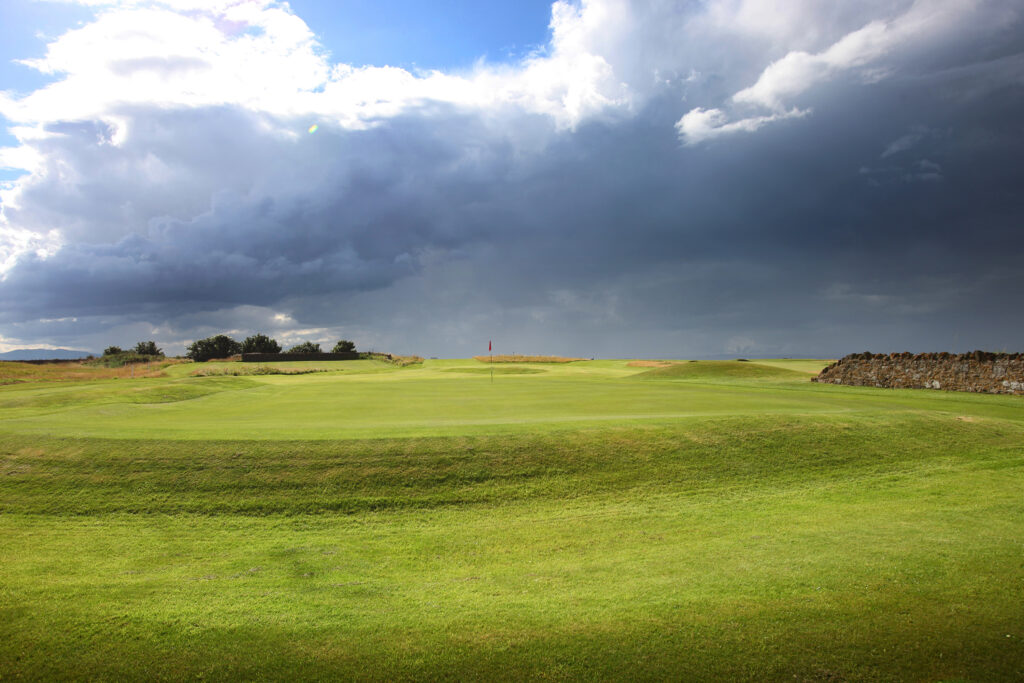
344 346
305 347
118 360
260 343
112 350
219 346
148 348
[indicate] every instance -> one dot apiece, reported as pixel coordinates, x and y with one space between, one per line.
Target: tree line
143 348
223 346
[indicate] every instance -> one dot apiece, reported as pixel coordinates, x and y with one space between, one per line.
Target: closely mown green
589 520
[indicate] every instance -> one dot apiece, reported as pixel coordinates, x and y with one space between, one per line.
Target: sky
602 178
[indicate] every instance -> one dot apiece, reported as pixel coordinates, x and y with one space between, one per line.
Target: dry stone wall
978 371
285 357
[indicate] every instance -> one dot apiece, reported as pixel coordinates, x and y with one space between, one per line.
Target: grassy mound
719 458
12 372
720 369
14 402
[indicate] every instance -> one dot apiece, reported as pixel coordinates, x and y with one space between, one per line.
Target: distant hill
44 354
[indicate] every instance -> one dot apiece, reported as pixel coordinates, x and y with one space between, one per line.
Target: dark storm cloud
804 239
888 218
337 213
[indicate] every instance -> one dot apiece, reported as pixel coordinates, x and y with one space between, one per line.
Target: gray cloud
886 219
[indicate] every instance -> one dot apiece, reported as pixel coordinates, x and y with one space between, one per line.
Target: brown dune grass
247 370
394 359
12 372
525 359
403 361
650 363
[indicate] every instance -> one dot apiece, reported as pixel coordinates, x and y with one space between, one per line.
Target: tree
219 346
112 350
260 343
344 346
305 347
148 348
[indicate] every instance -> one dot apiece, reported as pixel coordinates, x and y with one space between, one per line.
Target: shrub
260 343
344 346
148 348
118 360
112 350
219 346
244 370
305 347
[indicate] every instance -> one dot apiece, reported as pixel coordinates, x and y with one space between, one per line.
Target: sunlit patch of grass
719 370
570 523
497 371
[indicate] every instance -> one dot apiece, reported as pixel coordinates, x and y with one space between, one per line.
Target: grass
588 520
525 359
12 372
118 360
393 359
250 370
721 370
515 370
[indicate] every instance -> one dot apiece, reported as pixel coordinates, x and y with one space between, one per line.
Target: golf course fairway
587 520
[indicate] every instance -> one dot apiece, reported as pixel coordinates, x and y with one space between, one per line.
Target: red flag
488 344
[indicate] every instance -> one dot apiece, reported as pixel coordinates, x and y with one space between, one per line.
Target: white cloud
15 242
261 56
798 71
921 24
121 75
699 125
159 57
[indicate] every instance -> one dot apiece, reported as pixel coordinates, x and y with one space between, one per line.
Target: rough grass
12 372
394 359
119 360
249 370
800 532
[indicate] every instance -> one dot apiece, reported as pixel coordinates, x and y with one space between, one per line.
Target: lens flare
312 129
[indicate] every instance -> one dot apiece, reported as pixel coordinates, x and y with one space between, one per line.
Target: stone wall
978 371
285 357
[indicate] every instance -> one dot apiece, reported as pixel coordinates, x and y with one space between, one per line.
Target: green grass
501 370
718 370
588 520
